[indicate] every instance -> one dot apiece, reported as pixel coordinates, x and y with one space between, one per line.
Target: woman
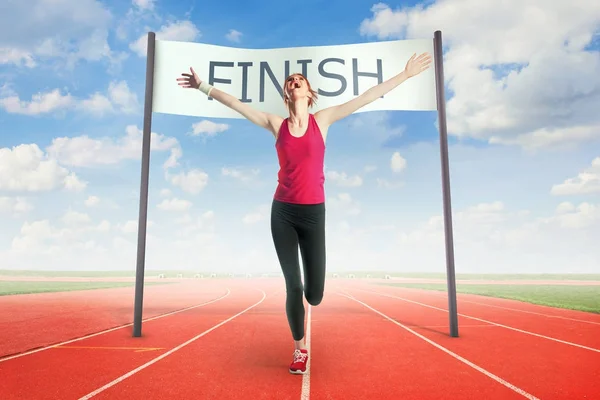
298 209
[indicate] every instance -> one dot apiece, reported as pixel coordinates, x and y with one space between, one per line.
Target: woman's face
297 87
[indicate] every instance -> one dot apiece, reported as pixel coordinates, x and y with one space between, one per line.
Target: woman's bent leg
311 235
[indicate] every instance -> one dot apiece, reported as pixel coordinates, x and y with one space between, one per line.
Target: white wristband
205 88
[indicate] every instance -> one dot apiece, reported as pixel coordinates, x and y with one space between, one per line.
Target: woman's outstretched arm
271 122
414 66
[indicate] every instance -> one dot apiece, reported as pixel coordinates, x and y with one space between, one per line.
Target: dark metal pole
143 217
441 106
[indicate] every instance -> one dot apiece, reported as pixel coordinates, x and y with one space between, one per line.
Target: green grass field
17 287
493 277
582 298
90 274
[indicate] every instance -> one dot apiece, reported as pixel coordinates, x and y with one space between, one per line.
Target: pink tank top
301 177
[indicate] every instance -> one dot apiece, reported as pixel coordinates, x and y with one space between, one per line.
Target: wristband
205 88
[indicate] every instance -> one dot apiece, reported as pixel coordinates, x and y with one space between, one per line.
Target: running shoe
298 366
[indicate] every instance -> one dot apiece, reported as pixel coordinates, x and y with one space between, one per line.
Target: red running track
358 354
567 325
35 320
80 367
362 346
246 359
543 367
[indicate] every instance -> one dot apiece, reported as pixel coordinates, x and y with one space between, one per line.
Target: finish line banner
256 76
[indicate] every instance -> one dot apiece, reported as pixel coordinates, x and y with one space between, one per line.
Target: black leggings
294 225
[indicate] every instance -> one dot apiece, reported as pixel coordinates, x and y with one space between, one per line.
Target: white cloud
15 205
92 201
564 207
260 214
387 184
234 36
53 247
75 218
551 137
175 204
519 71
131 226
32 234
173 160
120 95
17 57
135 19
483 213
67 30
586 182
27 168
342 179
397 163
72 182
376 125
191 182
83 151
119 99
77 234
103 226
6 90
144 4
208 128
74 242
205 222
488 237
96 104
245 176
343 204
178 30
41 103
122 244
585 215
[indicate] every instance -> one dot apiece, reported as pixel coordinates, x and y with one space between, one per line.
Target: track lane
548 370
497 302
30 321
577 332
357 354
74 371
247 358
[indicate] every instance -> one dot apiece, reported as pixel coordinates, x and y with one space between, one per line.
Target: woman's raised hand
189 80
416 65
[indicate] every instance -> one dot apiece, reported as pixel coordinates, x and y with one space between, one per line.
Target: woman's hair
311 101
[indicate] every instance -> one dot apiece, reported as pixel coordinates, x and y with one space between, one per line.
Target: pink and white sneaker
298 366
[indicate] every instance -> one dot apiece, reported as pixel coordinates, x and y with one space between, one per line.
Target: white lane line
486 321
173 350
531 312
446 326
113 329
445 350
305 395
462 299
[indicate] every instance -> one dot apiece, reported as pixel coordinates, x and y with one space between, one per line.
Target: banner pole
441 107
143 213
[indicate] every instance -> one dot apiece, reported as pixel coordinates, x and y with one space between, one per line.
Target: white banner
338 73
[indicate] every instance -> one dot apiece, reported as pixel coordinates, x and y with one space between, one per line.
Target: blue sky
524 133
